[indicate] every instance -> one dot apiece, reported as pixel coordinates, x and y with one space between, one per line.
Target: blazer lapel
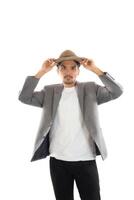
58 92
80 93
57 95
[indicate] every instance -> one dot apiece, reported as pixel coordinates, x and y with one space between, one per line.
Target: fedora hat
68 55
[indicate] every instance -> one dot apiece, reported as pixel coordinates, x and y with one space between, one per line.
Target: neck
68 86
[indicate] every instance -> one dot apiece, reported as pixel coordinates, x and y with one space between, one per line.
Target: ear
78 71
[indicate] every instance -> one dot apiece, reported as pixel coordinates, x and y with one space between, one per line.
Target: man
69 130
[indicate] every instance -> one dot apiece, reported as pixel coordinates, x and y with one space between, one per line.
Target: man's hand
89 64
46 66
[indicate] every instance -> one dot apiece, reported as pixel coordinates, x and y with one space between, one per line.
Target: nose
67 73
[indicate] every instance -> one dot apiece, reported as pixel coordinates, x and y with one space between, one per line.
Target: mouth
67 77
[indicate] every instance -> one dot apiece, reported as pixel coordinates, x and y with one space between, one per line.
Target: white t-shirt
69 138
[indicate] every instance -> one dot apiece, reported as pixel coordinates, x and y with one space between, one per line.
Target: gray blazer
90 95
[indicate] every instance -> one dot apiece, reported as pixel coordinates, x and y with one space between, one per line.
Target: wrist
39 74
97 71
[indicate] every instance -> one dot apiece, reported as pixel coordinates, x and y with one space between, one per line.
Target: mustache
67 76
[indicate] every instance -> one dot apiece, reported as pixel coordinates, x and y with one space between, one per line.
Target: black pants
85 173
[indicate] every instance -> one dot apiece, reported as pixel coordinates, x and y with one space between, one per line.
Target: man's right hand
46 66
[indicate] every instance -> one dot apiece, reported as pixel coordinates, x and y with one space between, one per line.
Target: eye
74 67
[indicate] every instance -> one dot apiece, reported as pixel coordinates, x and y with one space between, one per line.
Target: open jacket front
90 95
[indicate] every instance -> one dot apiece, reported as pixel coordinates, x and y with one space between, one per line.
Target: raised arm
111 89
27 95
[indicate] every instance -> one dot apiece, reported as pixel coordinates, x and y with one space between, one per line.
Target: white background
32 31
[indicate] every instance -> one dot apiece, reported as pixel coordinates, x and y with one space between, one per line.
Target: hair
77 63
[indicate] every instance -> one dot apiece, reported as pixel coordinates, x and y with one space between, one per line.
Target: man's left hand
89 64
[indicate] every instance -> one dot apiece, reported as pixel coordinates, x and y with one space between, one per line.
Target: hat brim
75 58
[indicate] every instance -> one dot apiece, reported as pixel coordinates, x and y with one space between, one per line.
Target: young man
69 129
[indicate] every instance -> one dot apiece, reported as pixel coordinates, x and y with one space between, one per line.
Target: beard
68 80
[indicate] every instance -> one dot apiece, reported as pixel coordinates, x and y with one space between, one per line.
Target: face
68 71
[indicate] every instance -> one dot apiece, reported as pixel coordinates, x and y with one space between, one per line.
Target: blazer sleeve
28 96
111 89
